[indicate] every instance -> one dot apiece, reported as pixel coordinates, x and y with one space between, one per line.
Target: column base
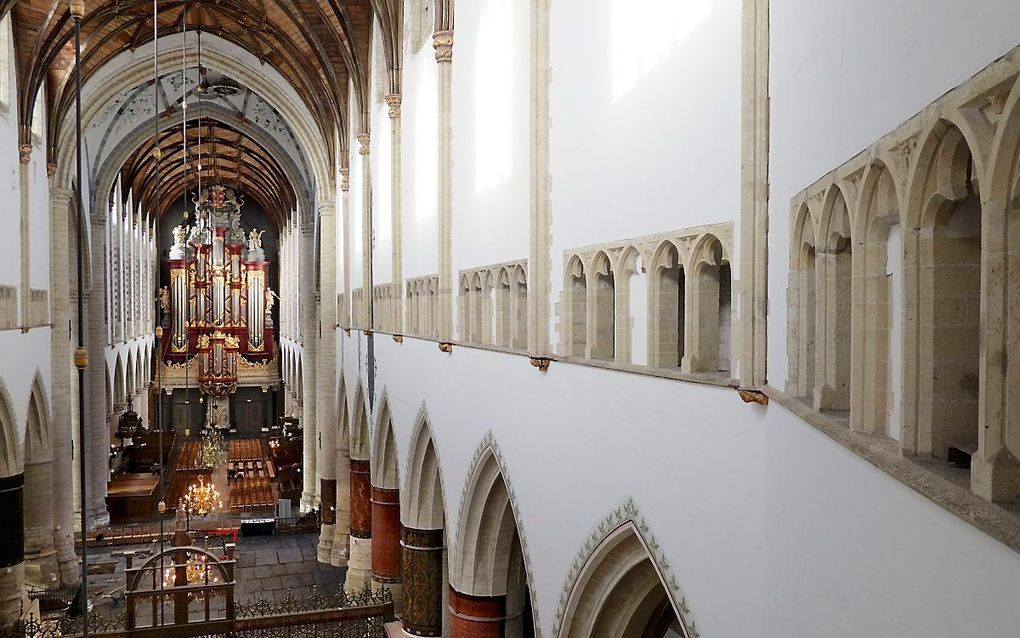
997 478
339 552
41 568
325 548
308 502
359 565
96 517
396 590
12 594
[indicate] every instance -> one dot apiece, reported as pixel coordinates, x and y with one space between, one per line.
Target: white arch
132 68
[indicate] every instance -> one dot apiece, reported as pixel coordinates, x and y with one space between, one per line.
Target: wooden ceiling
227 156
317 45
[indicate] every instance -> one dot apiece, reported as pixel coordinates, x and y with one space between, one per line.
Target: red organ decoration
218 303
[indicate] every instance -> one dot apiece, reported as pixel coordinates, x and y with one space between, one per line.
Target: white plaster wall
850 552
357 221
842 75
645 117
491 98
645 133
382 200
419 149
576 445
39 215
10 214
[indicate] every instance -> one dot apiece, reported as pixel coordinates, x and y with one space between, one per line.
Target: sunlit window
643 39
494 65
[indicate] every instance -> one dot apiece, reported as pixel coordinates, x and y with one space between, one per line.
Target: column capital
363 139
24 153
442 42
308 228
345 179
393 101
326 208
59 194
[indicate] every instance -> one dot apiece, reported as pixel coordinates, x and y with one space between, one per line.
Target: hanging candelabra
200 500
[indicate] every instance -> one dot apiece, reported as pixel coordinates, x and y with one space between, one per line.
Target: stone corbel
24 153
393 101
398 338
748 395
364 139
446 347
542 363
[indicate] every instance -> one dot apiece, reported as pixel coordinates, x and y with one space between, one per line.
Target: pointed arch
11 450
38 438
602 328
490 558
424 507
802 306
944 242
360 436
130 380
711 306
620 586
574 331
119 389
385 470
666 302
833 298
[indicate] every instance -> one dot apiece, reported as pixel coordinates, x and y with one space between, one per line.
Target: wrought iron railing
320 615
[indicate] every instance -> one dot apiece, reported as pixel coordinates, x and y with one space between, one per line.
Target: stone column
309 336
442 42
359 566
365 320
38 512
340 550
476 616
345 188
326 378
24 173
421 565
539 265
12 549
97 425
396 200
386 542
61 396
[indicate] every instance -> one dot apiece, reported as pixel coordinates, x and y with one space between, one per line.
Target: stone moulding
488 443
627 513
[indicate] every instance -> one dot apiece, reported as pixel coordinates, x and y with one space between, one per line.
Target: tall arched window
834 296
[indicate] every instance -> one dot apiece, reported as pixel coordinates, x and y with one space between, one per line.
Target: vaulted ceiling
226 156
317 45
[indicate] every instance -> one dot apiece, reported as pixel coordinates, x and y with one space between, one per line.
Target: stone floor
267 566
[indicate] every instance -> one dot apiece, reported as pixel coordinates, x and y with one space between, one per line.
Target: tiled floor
267 566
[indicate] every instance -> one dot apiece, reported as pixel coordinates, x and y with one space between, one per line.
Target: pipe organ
217 306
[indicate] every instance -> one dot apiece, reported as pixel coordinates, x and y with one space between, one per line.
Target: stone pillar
12 548
476 616
309 335
539 264
340 550
365 320
40 554
97 339
326 378
61 395
421 565
386 542
24 173
442 42
396 202
359 566
345 188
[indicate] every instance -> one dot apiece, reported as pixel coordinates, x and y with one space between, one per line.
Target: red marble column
385 535
361 505
476 616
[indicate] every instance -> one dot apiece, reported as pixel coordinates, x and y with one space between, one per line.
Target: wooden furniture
131 498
